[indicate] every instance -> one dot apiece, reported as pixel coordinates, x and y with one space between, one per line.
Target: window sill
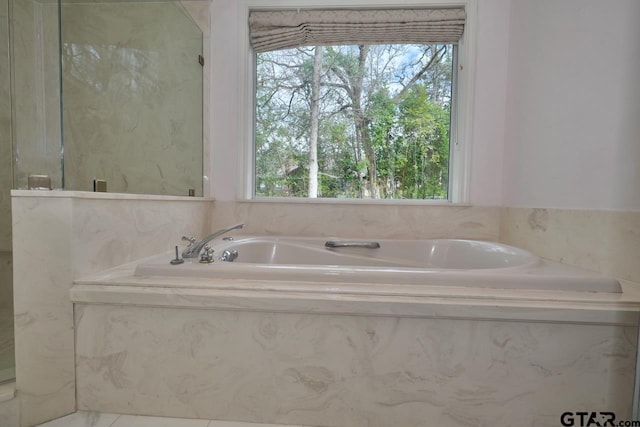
375 202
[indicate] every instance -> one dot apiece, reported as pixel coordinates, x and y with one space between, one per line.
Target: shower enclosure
94 90
7 370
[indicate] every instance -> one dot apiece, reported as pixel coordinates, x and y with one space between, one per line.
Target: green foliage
424 127
406 130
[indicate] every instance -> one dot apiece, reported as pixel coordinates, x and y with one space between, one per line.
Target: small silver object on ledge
99 186
38 182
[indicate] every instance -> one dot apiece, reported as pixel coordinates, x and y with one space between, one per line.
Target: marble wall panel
133 97
401 221
347 371
59 236
110 232
45 375
604 241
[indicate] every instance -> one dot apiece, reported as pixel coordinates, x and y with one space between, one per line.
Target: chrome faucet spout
194 249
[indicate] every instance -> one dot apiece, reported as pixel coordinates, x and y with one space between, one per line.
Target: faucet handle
191 240
206 256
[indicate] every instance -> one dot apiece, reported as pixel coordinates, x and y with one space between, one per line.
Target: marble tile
107 233
7 390
37 100
99 419
144 96
57 237
241 424
604 241
43 314
9 413
620 309
347 370
83 419
366 220
137 421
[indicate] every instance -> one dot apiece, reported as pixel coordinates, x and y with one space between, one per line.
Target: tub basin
438 262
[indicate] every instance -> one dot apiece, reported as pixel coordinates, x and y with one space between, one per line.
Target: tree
354 121
315 118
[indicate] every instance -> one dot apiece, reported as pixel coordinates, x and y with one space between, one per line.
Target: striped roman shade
282 29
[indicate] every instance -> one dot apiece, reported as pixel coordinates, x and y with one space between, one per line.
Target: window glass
367 121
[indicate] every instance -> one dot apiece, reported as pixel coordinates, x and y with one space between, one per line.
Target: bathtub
405 265
415 332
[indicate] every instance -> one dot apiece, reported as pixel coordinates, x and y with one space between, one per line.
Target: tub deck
452 297
404 265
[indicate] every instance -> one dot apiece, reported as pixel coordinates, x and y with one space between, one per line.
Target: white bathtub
407 263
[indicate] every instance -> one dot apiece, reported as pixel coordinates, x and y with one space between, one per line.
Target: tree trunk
362 122
315 122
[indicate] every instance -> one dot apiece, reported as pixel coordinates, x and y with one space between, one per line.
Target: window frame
461 123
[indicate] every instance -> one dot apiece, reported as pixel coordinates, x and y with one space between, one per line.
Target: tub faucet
194 247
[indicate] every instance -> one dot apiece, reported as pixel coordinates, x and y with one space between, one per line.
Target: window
360 120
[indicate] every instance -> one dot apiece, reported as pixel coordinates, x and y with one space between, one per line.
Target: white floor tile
241 424
7 391
83 419
138 421
95 419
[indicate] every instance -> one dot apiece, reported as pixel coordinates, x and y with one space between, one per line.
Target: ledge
103 196
119 286
355 202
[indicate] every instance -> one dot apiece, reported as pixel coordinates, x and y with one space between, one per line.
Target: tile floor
95 419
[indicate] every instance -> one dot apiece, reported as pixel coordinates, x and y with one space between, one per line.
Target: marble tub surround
604 241
57 237
350 371
359 219
348 354
121 285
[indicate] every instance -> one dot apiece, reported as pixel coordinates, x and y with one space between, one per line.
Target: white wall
556 117
488 112
225 97
490 102
573 110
